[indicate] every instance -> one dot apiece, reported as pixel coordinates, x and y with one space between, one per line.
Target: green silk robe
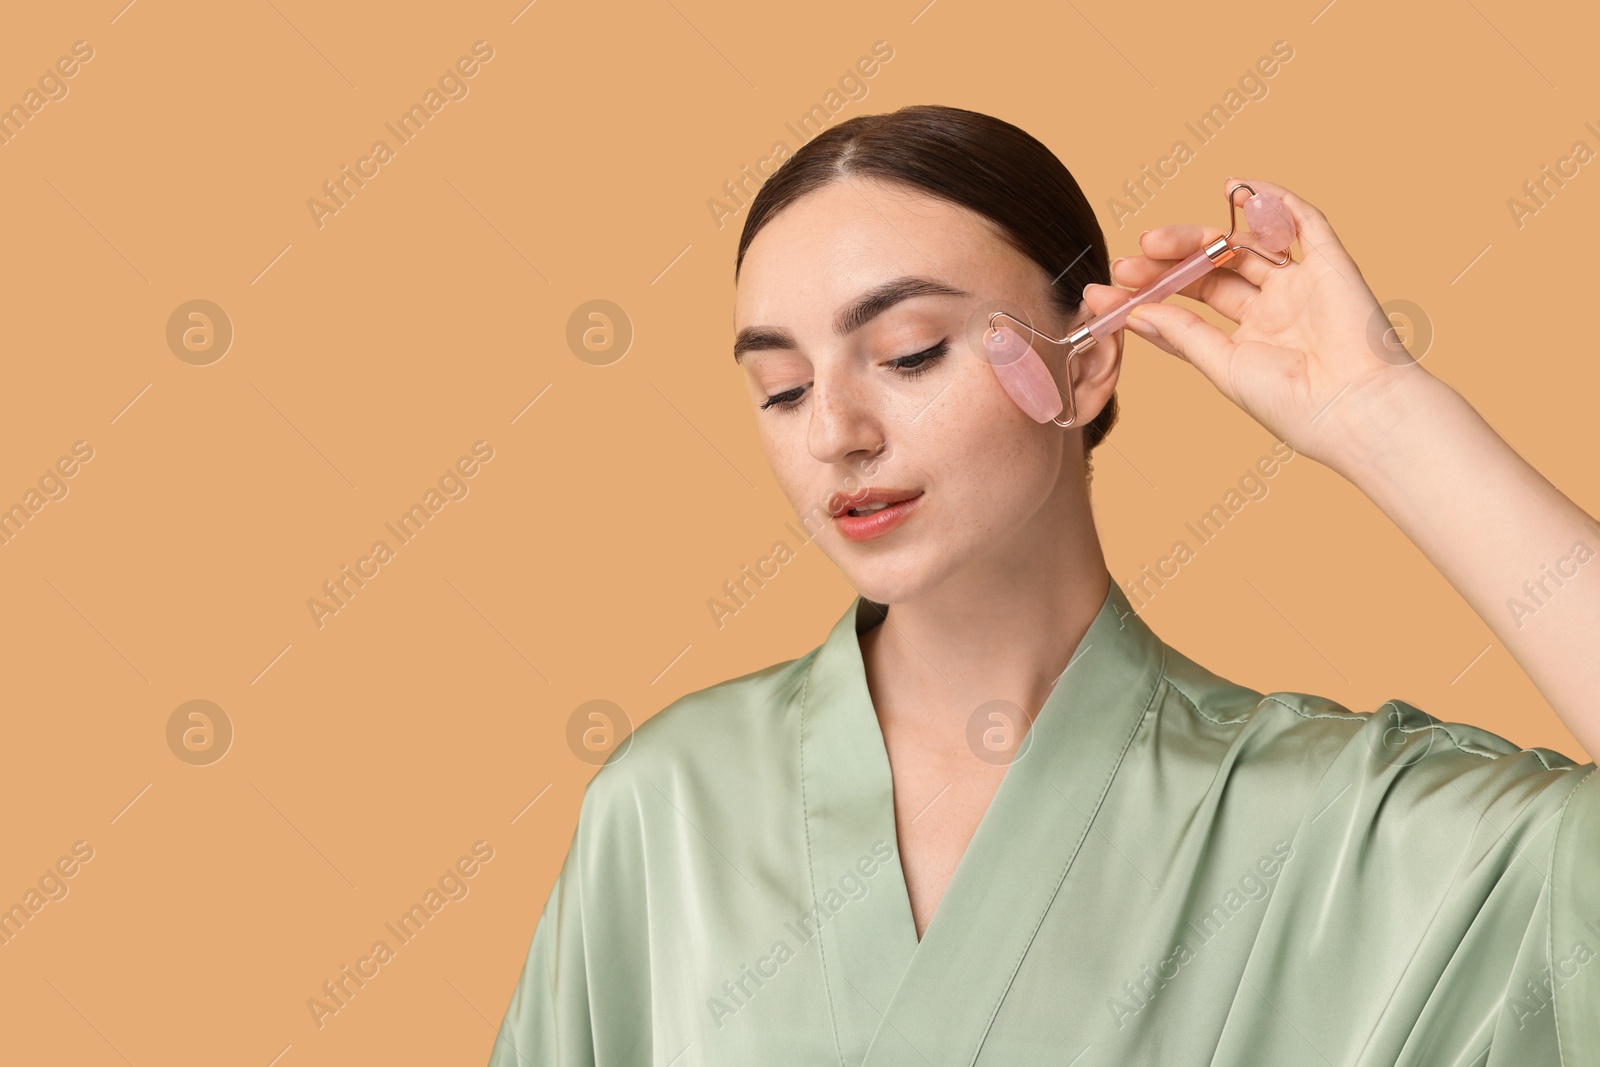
1176 870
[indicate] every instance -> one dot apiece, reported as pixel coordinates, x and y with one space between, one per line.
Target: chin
887 577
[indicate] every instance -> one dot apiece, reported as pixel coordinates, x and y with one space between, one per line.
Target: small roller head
1270 222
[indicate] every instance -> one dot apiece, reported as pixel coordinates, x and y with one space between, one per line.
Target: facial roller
1023 373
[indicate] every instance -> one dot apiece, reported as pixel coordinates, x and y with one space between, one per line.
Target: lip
901 503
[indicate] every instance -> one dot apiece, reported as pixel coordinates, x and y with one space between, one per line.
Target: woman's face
904 399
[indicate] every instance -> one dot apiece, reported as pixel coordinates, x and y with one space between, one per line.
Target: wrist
1382 420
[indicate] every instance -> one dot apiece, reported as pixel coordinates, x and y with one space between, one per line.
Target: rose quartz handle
1274 229
1195 266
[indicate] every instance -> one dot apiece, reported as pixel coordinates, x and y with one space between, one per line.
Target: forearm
1524 556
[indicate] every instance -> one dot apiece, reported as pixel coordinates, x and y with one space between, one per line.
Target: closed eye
912 366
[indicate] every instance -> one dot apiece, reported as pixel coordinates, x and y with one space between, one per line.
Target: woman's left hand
1314 358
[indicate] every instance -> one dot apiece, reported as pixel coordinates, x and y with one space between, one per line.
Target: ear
1095 373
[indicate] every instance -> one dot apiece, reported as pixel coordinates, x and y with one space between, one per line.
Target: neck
1005 630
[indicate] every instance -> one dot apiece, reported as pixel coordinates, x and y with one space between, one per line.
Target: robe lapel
895 1001
847 793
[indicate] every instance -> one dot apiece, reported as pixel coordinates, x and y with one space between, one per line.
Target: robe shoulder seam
1469 739
1459 741
1344 716
1189 700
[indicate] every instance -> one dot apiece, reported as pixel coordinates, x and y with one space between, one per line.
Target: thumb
1180 332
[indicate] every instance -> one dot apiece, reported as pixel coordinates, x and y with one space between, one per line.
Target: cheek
993 465
984 431
783 441
999 469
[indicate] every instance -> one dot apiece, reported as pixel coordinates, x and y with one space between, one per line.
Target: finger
1223 289
1177 240
1102 298
1184 334
1181 240
1312 229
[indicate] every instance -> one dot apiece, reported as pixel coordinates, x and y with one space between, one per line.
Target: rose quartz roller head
1023 374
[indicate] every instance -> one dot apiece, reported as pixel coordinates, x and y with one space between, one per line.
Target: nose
843 422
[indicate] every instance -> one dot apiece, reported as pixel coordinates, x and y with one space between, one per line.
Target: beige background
432 711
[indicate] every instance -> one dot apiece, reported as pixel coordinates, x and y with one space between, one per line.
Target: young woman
993 819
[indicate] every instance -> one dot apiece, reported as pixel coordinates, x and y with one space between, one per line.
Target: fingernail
1141 236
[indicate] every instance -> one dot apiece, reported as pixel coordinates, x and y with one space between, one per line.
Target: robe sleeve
1575 920
587 993
1443 902
549 1019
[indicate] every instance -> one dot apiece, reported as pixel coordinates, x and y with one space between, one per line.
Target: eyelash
928 358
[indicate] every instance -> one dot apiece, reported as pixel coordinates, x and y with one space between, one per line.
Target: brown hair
974 160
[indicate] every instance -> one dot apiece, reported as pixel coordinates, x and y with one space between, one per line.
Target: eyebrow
868 306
